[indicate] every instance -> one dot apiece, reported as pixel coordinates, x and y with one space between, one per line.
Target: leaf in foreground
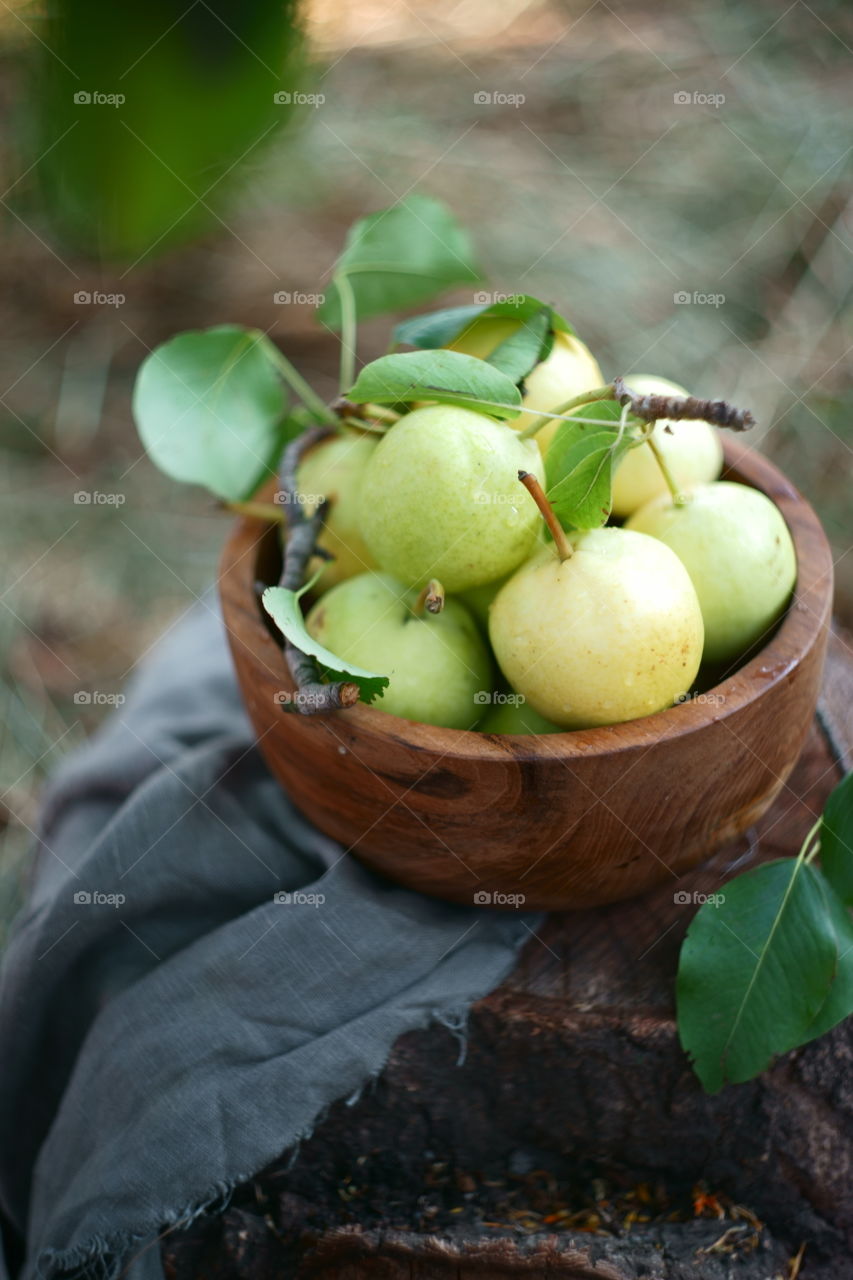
839 1003
445 377
283 607
836 840
755 972
209 409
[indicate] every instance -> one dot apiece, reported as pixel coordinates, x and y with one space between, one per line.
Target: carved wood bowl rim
807 615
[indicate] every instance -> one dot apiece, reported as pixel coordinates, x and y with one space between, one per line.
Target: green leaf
755 971
839 1002
284 609
208 406
579 466
438 328
584 497
194 94
446 377
520 353
570 435
836 840
399 257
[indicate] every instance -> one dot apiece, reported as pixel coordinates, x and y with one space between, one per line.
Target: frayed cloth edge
105 1257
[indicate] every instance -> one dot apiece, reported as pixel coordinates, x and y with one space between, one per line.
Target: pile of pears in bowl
572 566
589 623
508 631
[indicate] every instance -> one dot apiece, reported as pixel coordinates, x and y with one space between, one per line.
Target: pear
569 369
440 498
479 599
333 470
610 633
438 665
515 716
692 450
735 545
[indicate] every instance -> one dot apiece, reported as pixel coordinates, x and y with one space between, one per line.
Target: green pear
692 450
611 633
569 369
511 714
735 545
437 662
440 498
479 599
333 470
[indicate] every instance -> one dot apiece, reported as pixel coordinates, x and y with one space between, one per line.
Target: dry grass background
600 192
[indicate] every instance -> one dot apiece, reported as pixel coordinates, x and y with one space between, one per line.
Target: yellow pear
692 450
569 369
611 633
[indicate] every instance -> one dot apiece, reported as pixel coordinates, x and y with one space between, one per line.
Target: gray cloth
168 1027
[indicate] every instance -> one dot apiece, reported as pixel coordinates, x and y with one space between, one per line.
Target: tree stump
574 1116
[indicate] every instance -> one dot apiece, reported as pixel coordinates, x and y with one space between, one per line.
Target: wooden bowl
559 821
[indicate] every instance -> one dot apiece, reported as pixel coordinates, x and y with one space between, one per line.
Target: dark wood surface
567 820
573 1073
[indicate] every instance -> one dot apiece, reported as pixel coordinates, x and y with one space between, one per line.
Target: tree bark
574 1097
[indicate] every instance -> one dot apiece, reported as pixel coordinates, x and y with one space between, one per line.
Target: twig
312 696
651 408
796 1262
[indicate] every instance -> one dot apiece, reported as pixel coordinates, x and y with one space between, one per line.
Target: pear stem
255 510
537 493
679 498
431 598
382 413
811 844
586 397
363 424
370 417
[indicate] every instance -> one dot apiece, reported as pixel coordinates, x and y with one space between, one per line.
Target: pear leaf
209 408
519 354
399 257
839 1003
836 840
283 607
445 377
579 466
756 971
583 499
438 328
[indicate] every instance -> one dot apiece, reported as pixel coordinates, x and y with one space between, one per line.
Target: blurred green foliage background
675 177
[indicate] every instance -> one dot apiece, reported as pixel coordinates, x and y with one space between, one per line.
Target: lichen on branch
650 408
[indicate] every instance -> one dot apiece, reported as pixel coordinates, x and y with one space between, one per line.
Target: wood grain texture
573 1067
568 820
